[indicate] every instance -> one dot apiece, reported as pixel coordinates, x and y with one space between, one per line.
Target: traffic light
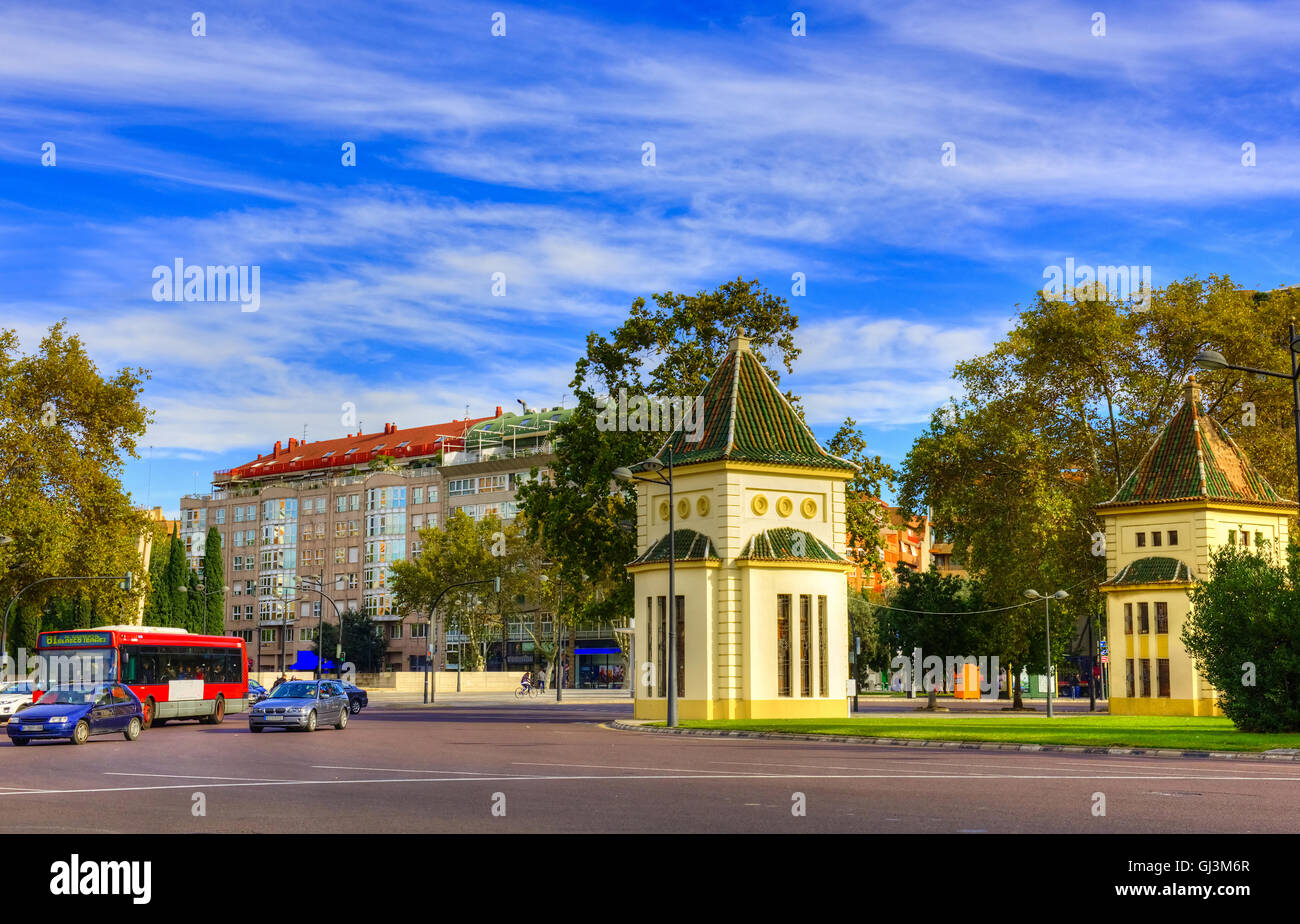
125 583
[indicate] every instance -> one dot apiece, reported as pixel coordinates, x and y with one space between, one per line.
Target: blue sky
522 154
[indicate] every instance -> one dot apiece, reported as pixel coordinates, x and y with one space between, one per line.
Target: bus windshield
68 667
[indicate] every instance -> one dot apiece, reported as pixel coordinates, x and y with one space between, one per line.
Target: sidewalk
571 698
901 705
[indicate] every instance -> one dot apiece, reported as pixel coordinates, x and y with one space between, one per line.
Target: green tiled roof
1153 570
687 544
779 545
1194 458
747 419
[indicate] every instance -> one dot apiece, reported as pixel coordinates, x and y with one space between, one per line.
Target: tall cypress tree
175 580
158 608
193 603
214 574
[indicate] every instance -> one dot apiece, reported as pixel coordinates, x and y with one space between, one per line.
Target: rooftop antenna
304 433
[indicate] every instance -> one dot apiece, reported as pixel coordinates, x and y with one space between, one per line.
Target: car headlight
57 718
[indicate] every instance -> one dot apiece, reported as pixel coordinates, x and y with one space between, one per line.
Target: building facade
340 512
760 592
1193 490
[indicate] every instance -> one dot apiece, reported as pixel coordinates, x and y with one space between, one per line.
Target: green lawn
1176 733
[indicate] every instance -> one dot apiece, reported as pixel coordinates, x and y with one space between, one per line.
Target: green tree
1244 632
363 642
158 603
1062 409
864 513
193 602
936 613
459 552
668 346
64 433
176 577
214 574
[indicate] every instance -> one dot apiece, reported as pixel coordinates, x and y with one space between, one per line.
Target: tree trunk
1018 702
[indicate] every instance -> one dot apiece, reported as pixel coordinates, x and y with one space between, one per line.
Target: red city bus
175 674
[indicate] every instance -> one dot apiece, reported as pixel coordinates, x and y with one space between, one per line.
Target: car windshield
69 697
295 691
14 689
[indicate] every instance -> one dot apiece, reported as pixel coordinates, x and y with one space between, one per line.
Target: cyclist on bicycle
526 680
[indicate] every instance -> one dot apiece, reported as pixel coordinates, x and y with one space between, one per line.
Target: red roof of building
355 449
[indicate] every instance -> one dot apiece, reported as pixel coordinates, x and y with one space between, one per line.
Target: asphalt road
557 769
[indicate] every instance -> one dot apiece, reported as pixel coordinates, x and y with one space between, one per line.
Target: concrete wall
413 681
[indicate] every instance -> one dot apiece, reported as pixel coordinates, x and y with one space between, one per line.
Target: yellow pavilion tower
1193 490
761 594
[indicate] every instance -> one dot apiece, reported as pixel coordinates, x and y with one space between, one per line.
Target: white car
14 696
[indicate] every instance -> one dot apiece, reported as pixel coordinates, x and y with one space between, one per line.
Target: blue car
76 714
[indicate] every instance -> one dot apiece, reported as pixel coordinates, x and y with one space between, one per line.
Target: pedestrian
541 681
278 680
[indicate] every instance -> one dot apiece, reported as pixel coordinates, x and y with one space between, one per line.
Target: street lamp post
626 474
126 580
1213 361
307 584
1047 601
495 582
203 589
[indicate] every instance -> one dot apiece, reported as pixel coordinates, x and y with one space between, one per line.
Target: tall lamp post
496 584
316 586
203 590
126 580
1047 601
1213 361
658 468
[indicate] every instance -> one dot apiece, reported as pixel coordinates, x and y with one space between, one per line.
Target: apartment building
902 543
341 511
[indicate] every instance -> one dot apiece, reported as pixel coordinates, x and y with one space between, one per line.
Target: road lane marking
187 776
523 763
625 777
396 769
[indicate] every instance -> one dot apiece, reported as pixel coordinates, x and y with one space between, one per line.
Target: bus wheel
218 712
148 713
81 734
132 729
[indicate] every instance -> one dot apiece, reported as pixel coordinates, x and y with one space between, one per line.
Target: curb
623 725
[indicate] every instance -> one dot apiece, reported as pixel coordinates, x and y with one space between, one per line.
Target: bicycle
527 689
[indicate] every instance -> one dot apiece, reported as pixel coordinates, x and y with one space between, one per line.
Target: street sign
1105 659
1101 646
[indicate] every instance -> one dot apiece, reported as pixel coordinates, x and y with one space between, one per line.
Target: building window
661 649
1162 677
1141 540
417 495
220 515
419 630
268 636
805 645
823 669
783 645
1259 539
239 514
417 522
1162 617
1146 677
340 503
1128 618
1155 537
681 646
395 630
1128 679
1245 537
1144 623
650 643
433 495
1173 537
460 487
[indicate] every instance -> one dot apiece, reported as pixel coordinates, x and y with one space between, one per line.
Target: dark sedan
301 704
357 698
256 692
75 714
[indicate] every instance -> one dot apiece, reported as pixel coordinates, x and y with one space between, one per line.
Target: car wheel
21 741
218 712
132 729
149 710
343 719
81 734
255 728
354 706
311 721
